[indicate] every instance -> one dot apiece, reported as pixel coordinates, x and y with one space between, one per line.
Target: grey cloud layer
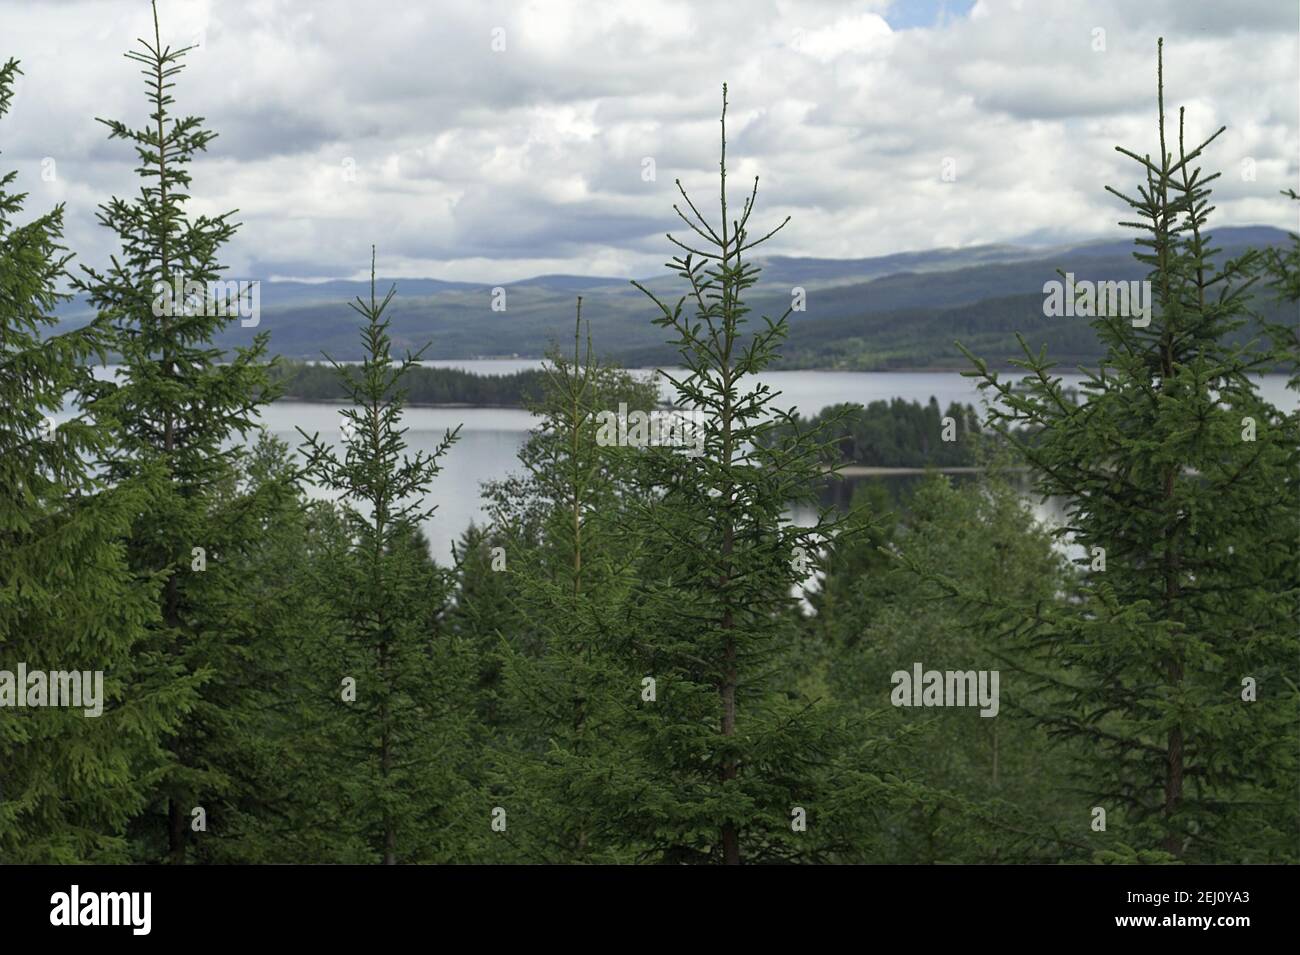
474 164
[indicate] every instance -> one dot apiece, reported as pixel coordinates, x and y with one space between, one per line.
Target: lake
490 437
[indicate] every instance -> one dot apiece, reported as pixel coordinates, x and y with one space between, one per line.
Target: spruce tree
394 774
69 782
185 407
728 762
567 685
1174 662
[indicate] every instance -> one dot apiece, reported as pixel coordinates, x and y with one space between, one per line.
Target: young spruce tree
393 775
69 782
185 407
565 677
1175 662
726 761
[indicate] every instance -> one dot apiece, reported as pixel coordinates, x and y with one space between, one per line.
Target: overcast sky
475 163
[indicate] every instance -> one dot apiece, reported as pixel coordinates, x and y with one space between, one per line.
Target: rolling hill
889 312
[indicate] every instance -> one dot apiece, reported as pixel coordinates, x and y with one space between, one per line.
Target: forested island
895 434
314 381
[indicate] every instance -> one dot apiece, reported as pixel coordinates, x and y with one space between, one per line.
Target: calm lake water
490 437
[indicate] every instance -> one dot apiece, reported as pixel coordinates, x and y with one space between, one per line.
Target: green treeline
638 657
923 338
894 433
302 381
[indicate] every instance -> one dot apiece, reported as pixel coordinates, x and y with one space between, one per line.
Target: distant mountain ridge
893 311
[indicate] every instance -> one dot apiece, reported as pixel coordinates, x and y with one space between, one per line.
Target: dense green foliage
895 433
1174 659
183 409
69 784
394 749
423 386
641 657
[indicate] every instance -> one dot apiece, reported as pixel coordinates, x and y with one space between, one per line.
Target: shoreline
408 404
867 470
